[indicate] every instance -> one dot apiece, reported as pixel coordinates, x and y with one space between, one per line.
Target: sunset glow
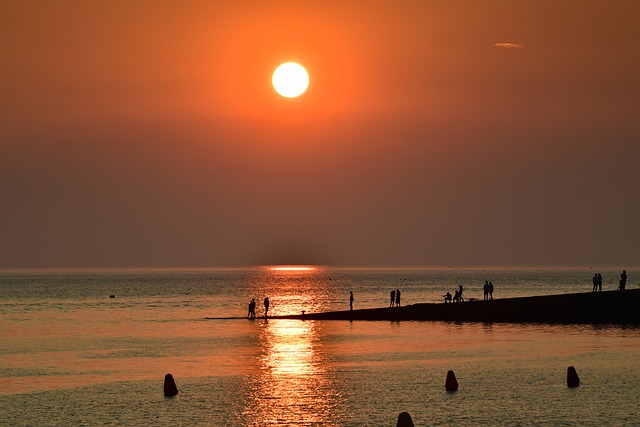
232 133
293 268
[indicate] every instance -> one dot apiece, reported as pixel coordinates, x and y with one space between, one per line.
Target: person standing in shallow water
392 296
350 300
595 282
266 307
397 297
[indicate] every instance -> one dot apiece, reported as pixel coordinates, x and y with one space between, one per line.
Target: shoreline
607 307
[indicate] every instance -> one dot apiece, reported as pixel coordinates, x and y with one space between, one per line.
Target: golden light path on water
296 384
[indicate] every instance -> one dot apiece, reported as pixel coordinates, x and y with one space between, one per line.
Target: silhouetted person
485 288
350 300
392 296
447 297
397 297
595 282
491 290
252 309
266 307
456 297
623 280
599 282
460 293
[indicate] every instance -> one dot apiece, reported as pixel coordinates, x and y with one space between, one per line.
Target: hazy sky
147 133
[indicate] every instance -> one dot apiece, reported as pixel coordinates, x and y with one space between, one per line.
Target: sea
92 348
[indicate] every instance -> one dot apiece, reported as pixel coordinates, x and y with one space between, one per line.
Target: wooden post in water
452 383
572 377
404 420
170 388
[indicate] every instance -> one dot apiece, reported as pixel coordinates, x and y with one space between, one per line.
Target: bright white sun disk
290 80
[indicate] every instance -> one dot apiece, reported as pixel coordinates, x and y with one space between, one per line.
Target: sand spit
609 307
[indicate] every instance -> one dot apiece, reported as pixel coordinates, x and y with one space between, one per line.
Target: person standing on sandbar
350 300
623 280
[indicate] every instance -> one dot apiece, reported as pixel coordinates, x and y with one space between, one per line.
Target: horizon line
317 267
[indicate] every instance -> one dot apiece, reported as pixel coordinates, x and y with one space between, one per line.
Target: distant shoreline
608 307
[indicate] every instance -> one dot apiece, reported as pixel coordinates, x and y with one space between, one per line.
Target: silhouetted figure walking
266 307
623 280
397 297
460 293
392 300
491 290
350 300
595 282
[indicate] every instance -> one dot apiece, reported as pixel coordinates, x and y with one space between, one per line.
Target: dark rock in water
452 383
404 420
572 377
112 296
170 388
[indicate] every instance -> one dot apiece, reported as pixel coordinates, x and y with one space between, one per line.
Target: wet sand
609 307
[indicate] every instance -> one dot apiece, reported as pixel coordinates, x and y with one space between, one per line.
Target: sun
290 80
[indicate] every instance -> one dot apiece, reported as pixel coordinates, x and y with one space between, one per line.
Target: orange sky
432 133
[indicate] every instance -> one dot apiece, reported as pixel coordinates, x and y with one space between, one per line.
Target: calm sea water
71 355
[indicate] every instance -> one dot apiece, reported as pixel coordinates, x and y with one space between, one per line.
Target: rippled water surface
71 355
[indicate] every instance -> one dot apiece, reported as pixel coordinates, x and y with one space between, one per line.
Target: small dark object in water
112 296
303 311
170 388
572 377
404 420
452 383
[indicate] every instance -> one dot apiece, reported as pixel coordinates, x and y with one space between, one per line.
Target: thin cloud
509 45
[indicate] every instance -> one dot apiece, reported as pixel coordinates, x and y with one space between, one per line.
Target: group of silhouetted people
394 298
623 280
252 308
597 282
488 290
457 297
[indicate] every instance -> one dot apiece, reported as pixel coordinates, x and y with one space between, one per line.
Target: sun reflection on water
296 383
